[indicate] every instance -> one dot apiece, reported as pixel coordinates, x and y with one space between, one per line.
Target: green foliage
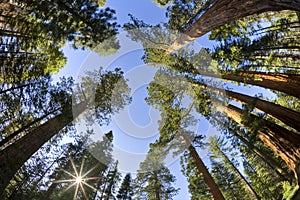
32 36
162 3
26 104
111 180
289 190
258 43
48 173
182 13
154 180
107 47
233 186
262 177
126 191
287 101
197 186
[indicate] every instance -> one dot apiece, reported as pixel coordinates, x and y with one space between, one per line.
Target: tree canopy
237 99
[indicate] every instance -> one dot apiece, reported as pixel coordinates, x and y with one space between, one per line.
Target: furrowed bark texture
225 11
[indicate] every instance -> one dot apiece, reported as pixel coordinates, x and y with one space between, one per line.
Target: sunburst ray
79 179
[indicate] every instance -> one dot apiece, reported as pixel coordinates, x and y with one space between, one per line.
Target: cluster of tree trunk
26 66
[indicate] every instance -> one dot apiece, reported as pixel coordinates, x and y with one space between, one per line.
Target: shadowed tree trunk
224 11
287 83
286 115
23 128
282 141
248 186
209 181
14 156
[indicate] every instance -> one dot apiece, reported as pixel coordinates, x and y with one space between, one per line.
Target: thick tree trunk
14 156
225 11
23 128
287 116
273 164
209 181
287 83
283 142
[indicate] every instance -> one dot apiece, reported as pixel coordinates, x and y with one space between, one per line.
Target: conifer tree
126 191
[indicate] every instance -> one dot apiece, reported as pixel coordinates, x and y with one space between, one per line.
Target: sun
78 178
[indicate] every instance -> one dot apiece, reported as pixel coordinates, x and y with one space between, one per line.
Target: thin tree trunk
14 156
283 142
273 164
249 187
225 11
209 181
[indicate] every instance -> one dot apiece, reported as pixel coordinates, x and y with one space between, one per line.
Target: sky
135 127
131 142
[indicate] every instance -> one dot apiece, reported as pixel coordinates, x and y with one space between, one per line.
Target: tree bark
225 11
249 187
273 164
209 181
283 142
23 128
14 156
287 116
287 83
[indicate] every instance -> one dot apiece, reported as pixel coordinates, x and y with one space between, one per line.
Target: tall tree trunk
225 11
157 195
287 116
209 181
23 128
287 83
283 142
273 164
14 156
249 187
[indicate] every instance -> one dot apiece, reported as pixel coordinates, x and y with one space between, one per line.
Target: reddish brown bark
273 164
225 11
23 128
14 156
286 83
287 116
209 181
282 141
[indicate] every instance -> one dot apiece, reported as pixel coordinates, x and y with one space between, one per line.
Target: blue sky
133 135
140 113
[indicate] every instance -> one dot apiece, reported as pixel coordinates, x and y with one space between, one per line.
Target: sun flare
78 179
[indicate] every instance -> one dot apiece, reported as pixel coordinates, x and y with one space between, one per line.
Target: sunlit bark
225 11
